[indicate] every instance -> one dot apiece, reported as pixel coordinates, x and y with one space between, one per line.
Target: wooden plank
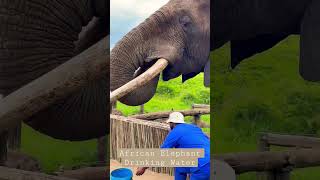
162 115
141 109
55 85
200 106
291 141
88 173
14 138
102 149
262 147
16 174
21 161
267 161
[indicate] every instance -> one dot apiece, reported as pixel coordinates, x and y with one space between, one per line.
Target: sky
127 14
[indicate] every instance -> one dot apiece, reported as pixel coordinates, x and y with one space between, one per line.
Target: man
184 135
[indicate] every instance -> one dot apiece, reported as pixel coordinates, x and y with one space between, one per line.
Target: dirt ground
148 175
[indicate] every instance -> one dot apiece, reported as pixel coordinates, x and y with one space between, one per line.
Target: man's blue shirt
189 136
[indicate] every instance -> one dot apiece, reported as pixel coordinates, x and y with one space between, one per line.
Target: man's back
189 136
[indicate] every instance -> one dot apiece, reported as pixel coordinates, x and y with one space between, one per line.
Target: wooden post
263 146
101 150
196 119
14 138
142 109
3 147
114 105
280 174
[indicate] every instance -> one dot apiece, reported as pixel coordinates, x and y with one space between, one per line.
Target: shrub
188 98
165 91
251 118
204 97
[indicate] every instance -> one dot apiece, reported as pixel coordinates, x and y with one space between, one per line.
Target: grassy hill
264 93
53 153
174 95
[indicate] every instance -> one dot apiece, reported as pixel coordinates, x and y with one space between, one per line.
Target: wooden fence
269 161
143 131
128 132
303 152
266 140
196 111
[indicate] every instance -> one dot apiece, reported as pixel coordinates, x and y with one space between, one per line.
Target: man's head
175 118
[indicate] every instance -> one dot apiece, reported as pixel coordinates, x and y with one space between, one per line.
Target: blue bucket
121 174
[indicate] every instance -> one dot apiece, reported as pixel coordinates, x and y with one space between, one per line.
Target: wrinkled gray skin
178 32
35 37
255 26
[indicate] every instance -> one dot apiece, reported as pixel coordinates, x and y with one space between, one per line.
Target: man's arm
170 142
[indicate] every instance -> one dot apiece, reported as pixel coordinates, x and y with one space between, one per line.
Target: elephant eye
185 21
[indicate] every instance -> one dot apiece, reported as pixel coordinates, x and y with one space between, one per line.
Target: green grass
174 95
264 93
52 153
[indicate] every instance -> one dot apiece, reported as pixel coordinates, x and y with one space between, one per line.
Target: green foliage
303 111
263 93
175 95
254 117
54 153
165 91
188 98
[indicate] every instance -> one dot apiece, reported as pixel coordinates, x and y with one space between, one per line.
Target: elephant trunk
132 56
124 68
36 36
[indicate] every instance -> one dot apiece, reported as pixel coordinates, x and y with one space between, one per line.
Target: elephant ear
207 74
310 43
242 49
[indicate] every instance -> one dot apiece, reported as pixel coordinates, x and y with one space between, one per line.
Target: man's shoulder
186 126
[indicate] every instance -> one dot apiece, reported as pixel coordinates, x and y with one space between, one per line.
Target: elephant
253 27
36 36
178 32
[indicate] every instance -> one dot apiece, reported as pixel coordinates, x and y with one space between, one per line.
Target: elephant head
36 36
178 32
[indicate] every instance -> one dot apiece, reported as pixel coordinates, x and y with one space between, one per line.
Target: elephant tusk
139 81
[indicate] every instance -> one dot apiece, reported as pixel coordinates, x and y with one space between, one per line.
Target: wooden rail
161 115
270 139
87 173
12 174
200 106
266 140
268 161
197 118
